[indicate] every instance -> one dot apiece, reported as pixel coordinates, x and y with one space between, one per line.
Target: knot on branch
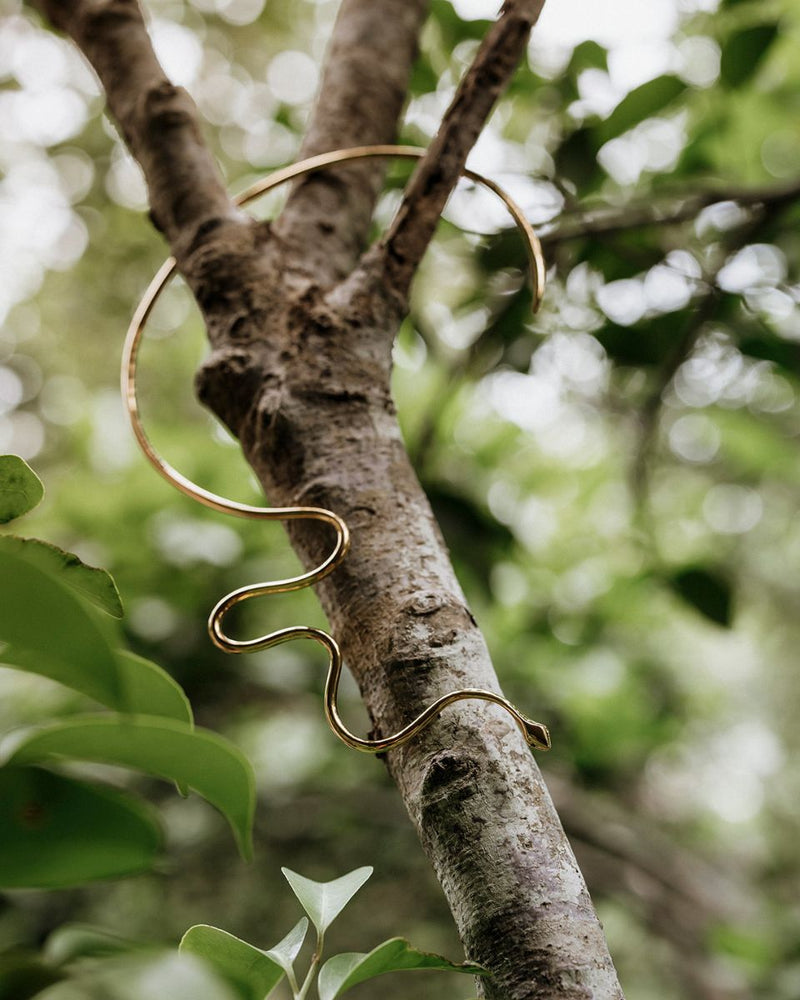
96 20
449 777
164 106
270 430
228 383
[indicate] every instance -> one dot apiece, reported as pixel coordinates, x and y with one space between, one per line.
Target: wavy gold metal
536 734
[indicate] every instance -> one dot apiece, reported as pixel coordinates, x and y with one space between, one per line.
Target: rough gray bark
299 370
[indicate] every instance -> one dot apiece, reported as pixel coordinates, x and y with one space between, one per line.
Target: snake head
537 735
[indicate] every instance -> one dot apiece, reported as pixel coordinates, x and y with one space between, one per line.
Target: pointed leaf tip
324 901
49 631
287 949
20 488
95 585
253 972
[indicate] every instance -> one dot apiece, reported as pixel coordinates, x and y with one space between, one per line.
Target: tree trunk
301 330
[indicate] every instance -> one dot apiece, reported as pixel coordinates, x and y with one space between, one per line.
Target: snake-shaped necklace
536 734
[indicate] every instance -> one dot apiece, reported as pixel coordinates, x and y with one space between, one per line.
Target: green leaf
286 950
641 103
744 51
166 748
94 584
707 591
72 941
423 78
149 689
51 632
324 901
587 55
163 976
56 831
342 972
249 969
20 488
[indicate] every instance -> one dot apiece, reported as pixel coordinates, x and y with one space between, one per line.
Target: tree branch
223 253
159 121
398 254
364 84
640 215
304 383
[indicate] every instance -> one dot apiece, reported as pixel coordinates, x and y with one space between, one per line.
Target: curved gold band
535 733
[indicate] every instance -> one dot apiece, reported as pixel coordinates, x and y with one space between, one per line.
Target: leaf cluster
57 829
256 973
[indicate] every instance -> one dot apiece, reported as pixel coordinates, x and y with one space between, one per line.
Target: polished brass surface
535 733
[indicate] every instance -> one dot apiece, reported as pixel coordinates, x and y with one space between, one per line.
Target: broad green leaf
73 941
49 631
342 972
286 951
149 689
707 591
744 51
324 901
641 103
249 969
94 584
20 488
160 976
56 831
166 748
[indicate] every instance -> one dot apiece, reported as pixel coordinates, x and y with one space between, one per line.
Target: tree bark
301 333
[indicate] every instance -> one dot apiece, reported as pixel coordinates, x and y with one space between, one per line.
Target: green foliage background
617 478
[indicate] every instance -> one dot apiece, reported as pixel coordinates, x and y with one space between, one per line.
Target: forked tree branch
159 121
306 388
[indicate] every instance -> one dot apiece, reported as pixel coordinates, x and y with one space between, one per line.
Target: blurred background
617 478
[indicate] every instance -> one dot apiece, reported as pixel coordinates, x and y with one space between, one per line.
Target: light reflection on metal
536 734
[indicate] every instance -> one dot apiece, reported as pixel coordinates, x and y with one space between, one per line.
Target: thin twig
316 958
641 215
398 254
